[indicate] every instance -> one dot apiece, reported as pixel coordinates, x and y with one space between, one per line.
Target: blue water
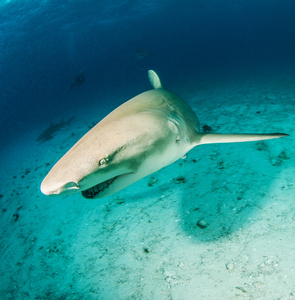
44 45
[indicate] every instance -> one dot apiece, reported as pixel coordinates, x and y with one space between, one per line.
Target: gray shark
143 135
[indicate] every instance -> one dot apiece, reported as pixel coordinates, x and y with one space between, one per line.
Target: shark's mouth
95 190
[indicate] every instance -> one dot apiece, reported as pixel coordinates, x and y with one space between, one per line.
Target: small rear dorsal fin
154 79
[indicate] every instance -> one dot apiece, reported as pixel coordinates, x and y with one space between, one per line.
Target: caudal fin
154 79
211 138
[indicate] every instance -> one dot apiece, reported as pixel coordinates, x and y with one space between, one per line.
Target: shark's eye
103 161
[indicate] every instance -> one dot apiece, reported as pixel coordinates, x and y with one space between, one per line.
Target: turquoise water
65 66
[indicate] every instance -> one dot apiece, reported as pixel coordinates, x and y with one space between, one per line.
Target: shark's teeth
92 192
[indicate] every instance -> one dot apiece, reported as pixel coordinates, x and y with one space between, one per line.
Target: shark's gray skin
143 135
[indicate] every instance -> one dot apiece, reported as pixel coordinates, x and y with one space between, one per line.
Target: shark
141 136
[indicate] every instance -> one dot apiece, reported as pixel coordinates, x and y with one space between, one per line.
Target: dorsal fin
154 79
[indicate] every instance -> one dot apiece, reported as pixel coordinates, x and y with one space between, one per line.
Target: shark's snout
50 189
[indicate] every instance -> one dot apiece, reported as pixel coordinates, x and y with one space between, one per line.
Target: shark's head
92 168
94 176
111 156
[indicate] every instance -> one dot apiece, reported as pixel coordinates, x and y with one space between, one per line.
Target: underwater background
64 65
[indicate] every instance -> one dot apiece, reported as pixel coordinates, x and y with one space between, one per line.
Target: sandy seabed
217 224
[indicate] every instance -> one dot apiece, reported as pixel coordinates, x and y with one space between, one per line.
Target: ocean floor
217 224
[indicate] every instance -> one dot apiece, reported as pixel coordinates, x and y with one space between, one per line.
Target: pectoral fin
211 138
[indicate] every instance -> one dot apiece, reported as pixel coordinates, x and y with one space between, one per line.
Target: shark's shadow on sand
229 197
